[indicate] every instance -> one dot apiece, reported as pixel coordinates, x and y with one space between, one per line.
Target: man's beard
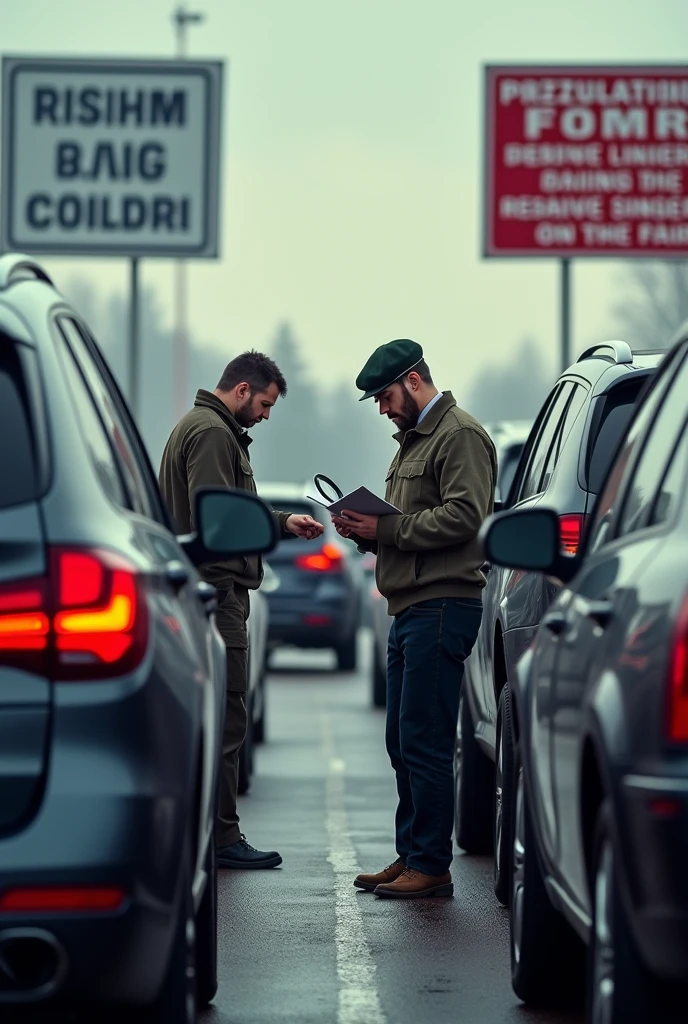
408 418
244 414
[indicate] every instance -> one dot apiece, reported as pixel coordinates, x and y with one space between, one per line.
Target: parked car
112 683
599 712
318 602
562 465
257 628
509 437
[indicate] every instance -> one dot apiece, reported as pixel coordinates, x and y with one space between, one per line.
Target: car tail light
677 717
571 531
328 559
61 899
86 620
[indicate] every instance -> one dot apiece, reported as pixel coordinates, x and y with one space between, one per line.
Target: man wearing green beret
429 569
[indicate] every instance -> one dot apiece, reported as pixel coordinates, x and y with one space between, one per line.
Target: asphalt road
299 944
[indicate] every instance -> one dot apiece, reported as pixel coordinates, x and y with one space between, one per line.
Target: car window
605 511
654 458
605 438
508 461
126 457
547 435
18 471
574 406
673 485
93 430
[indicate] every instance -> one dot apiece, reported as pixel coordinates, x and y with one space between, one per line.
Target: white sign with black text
111 158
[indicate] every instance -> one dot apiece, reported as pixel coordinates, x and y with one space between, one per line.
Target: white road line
359 1002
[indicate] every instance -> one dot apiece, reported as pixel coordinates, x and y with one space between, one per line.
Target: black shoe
243 855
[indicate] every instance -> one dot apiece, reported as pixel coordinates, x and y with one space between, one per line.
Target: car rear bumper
656 810
134 845
103 958
310 623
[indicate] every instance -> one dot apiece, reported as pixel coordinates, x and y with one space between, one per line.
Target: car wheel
346 654
246 754
547 957
503 799
206 933
379 680
473 786
259 724
620 987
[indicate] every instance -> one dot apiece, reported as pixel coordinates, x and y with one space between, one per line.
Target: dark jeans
428 644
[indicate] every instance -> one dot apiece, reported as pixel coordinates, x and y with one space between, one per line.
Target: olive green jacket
208 448
443 480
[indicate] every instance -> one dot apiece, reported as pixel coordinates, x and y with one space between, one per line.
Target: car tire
547 957
379 680
206 933
619 985
503 799
246 754
347 654
473 787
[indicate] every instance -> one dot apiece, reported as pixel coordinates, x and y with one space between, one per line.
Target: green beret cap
387 364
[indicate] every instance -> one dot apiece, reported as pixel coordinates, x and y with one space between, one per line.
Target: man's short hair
257 370
423 371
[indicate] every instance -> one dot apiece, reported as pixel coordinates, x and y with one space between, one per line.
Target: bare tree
655 304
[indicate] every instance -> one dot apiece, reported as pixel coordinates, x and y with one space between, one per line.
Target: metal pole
182 18
134 354
565 313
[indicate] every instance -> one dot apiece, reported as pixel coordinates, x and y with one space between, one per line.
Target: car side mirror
229 522
527 539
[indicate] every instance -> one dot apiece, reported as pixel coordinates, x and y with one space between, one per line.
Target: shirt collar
428 407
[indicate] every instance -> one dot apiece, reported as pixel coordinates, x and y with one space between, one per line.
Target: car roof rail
619 351
15 266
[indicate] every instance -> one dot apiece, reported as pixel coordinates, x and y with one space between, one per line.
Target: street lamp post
182 18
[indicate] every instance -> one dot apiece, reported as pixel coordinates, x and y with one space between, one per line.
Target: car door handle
601 612
556 623
176 575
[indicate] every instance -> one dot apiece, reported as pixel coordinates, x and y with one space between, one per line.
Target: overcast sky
351 179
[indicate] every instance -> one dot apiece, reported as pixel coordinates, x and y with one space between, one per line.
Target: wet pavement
299 944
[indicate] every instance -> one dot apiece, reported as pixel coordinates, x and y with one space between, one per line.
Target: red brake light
570 531
328 559
24 625
61 899
677 718
86 620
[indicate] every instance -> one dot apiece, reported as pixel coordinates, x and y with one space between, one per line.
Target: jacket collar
207 400
430 422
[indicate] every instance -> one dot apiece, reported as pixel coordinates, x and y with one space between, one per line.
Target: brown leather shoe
388 874
413 884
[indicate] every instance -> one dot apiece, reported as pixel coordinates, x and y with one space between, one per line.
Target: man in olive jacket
209 448
429 569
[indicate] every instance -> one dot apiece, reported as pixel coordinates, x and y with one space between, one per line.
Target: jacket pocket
431 566
410 484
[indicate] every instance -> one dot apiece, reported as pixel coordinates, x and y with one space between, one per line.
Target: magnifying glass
321 482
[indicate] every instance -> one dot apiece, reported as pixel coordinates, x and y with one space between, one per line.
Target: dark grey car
319 598
600 722
562 465
112 681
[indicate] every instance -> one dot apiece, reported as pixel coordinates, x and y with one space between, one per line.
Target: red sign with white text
586 161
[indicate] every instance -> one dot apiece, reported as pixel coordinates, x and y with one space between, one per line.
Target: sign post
585 161
111 158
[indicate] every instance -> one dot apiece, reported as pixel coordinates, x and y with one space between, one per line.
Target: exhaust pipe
33 964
